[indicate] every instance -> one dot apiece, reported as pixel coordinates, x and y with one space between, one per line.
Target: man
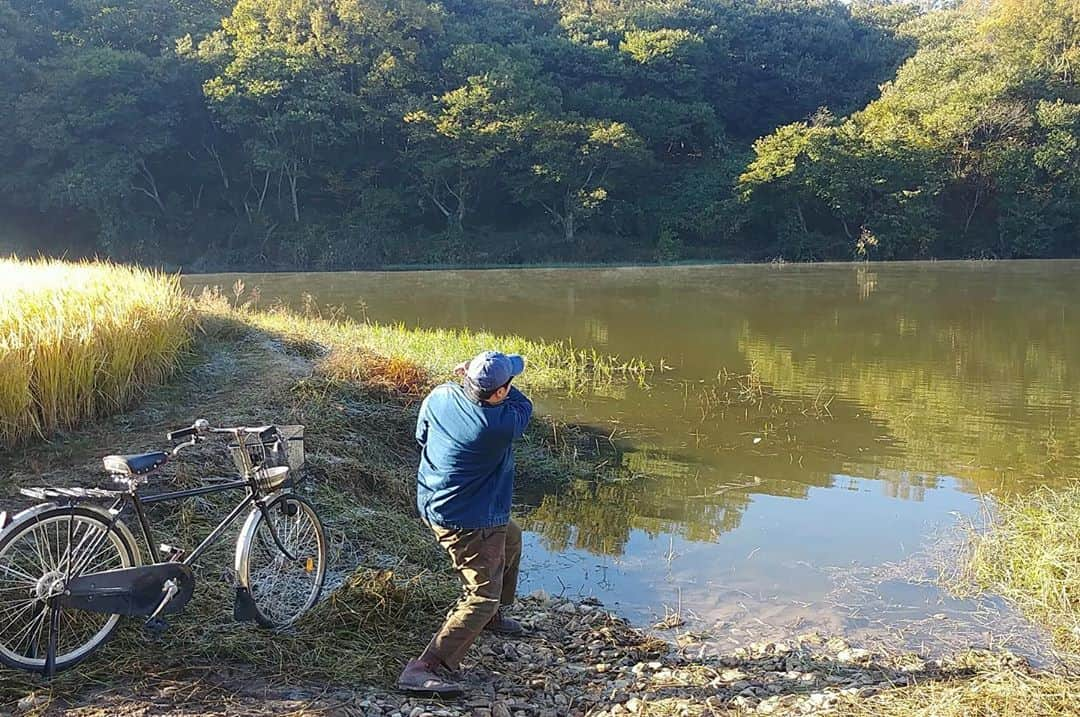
464 486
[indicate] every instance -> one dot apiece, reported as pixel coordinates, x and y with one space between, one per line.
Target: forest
323 134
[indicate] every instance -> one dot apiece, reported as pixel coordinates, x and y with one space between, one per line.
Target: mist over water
818 429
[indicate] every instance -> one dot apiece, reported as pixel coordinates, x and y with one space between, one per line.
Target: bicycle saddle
137 464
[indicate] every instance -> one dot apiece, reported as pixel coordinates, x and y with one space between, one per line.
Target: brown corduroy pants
487 563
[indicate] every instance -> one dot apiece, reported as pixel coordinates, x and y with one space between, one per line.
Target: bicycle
69 570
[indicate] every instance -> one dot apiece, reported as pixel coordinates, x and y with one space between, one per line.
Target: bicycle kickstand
157 624
50 649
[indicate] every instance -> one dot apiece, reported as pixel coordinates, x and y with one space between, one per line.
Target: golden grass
83 339
992 690
391 375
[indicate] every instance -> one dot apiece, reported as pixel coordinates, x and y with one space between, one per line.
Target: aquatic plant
82 339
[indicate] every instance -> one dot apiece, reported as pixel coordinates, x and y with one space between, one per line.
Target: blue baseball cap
491 369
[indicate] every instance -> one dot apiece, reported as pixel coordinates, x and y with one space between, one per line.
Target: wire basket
268 454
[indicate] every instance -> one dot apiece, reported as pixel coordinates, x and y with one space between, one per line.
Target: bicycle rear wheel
283 589
37 556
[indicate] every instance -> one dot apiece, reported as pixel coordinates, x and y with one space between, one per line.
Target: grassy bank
79 340
1031 555
413 358
355 388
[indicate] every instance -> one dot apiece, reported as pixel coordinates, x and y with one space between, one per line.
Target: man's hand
461 368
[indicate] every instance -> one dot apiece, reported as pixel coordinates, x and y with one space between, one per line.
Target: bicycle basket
268 454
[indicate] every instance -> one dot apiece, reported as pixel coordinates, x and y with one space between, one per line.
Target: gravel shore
580 660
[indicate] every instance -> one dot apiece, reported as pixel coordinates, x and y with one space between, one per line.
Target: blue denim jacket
466 474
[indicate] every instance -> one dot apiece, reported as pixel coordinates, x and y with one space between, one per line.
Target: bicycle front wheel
283 586
37 557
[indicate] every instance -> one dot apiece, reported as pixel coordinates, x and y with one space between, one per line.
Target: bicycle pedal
172 553
156 625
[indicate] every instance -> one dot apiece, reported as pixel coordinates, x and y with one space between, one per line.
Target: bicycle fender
25 514
119 525
247 534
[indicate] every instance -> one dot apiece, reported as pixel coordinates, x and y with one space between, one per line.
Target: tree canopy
970 150
338 133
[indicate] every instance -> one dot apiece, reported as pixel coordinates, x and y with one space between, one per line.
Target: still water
818 434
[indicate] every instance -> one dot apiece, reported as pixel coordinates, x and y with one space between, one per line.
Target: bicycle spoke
57 542
282 587
51 546
72 567
10 617
27 579
100 539
31 627
30 560
102 563
42 562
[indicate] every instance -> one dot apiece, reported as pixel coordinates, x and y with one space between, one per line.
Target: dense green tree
329 133
968 151
456 144
570 165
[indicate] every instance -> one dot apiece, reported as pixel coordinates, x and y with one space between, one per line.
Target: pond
815 439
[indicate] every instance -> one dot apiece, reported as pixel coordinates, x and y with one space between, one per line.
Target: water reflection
816 416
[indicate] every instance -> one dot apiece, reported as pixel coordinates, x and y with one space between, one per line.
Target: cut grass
79 340
389 581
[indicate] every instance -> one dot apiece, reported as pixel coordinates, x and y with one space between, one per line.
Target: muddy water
818 432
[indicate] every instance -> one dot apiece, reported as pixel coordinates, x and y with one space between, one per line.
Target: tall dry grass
78 340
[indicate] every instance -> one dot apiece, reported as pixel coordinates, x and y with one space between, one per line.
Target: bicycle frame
132 589
139 503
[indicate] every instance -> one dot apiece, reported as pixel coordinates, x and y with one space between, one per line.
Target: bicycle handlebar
202 427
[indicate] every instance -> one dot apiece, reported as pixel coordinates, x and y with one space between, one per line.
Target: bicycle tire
282 590
28 541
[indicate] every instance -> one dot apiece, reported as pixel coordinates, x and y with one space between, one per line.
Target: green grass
551 365
1031 555
79 340
356 394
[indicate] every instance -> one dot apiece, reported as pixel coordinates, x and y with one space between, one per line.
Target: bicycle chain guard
130 591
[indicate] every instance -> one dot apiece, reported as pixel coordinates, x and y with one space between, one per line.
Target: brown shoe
503 625
419 679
